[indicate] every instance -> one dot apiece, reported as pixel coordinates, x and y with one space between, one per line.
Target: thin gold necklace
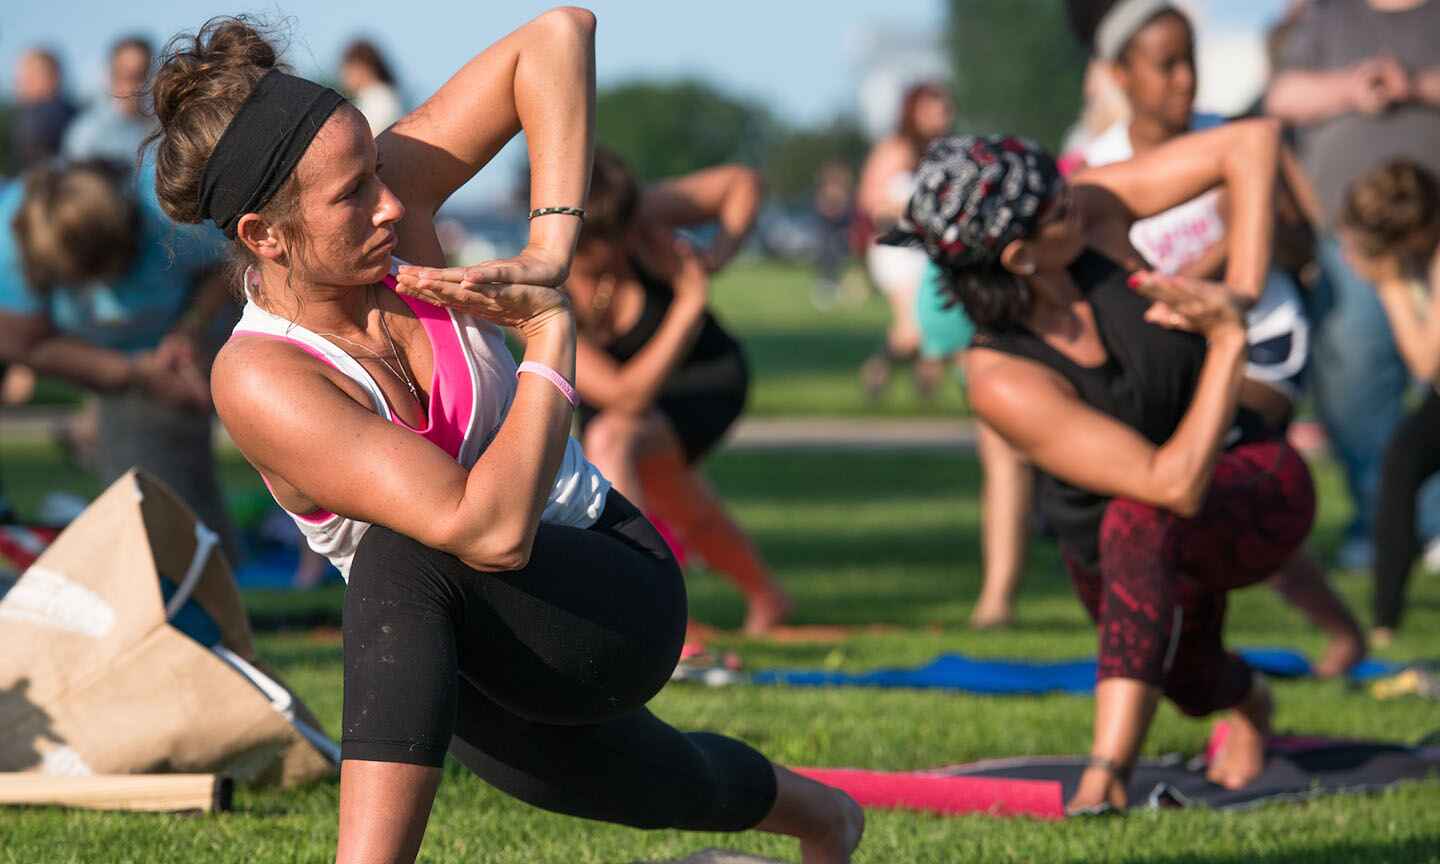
400 375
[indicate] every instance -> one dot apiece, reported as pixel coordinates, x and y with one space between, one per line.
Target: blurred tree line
663 129
1018 67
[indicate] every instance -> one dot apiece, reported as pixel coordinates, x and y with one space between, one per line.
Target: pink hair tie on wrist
553 377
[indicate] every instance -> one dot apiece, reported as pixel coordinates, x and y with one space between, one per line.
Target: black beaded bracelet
578 212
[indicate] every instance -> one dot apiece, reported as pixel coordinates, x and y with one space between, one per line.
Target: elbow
499 552
1186 503
1185 496
570 21
1264 134
751 181
487 545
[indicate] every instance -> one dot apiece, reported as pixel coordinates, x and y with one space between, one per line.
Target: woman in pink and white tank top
504 604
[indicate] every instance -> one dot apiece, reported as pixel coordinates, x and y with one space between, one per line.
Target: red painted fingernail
1135 280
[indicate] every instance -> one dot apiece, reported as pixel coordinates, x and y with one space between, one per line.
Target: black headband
261 146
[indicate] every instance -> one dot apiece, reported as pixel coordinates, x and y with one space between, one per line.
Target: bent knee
1131 527
390 565
613 435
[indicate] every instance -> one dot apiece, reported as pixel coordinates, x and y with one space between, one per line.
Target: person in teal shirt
99 288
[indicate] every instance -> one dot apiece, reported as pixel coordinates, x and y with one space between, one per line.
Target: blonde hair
76 224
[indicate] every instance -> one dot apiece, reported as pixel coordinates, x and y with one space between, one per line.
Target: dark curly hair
614 196
992 297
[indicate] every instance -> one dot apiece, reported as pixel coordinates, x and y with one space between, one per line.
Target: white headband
1123 21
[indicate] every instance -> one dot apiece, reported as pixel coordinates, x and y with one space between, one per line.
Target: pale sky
802 58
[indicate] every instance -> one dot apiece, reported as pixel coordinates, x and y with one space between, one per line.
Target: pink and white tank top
1180 235
470 394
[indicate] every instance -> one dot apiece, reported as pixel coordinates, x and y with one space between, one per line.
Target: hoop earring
251 287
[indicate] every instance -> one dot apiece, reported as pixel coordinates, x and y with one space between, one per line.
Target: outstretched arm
1243 156
729 195
540 79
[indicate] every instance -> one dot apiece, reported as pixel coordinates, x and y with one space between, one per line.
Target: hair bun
202 81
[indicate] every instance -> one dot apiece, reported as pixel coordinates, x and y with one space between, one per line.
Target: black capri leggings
1411 458
536 678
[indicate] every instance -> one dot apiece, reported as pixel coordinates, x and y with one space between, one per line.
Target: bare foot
1242 755
766 611
844 835
1098 786
1342 652
988 617
929 376
875 375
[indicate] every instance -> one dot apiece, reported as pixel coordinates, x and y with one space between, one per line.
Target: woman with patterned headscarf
1120 385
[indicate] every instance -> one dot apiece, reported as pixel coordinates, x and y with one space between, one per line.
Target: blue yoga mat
1019 677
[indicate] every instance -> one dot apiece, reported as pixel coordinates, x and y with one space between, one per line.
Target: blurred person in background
116 125
1150 46
1390 231
370 84
112 128
835 208
42 112
1103 106
99 288
886 180
661 381
1360 79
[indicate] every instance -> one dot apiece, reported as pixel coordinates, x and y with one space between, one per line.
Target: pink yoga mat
1041 799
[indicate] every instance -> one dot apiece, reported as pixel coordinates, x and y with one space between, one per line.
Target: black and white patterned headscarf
975 194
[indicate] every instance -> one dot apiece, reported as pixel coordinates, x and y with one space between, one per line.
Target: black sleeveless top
1146 382
711 359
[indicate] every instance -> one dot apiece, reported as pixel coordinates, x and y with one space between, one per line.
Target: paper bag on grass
125 649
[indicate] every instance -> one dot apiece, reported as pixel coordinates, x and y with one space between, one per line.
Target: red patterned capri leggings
1158 594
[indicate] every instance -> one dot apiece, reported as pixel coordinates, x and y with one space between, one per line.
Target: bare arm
540 78
873 197
1043 419
1417 336
1243 156
273 398
1307 96
729 195
633 385
31 341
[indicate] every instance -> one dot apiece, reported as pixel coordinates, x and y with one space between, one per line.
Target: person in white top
503 604
367 77
886 181
1150 46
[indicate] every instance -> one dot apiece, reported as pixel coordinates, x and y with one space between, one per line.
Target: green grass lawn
806 361
859 539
